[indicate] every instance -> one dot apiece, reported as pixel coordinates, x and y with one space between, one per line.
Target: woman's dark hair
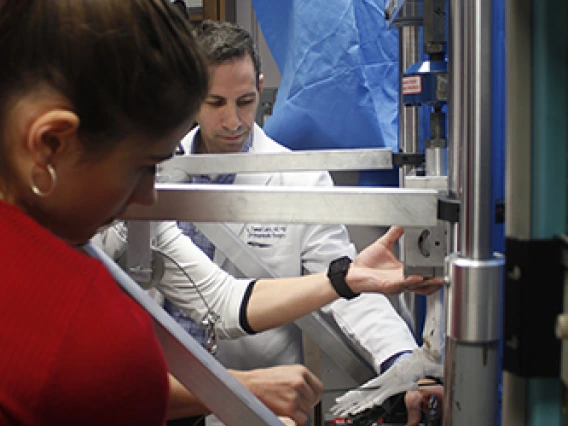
124 65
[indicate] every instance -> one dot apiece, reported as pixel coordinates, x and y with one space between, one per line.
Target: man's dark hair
225 41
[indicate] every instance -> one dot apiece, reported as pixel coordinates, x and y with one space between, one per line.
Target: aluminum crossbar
180 168
262 204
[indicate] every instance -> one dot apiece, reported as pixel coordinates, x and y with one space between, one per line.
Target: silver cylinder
456 104
473 298
476 210
470 388
456 107
436 161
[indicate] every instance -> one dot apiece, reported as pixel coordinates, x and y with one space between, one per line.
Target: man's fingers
392 236
300 417
311 392
315 385
422 286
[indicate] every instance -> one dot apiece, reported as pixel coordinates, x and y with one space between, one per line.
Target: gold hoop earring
52 176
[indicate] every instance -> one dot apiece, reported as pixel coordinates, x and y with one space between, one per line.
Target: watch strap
336 274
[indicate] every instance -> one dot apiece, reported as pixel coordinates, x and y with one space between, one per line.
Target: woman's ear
52 133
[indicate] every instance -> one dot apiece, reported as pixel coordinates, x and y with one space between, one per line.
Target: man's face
227 116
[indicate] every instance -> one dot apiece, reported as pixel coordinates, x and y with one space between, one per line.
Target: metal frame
220 203
471 349
248 203
472 344
181 168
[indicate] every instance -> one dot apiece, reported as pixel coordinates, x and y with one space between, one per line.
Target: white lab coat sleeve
221 292
369 321
202 281
112 240
373 326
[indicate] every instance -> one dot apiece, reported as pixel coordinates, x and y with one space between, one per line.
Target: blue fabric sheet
339 68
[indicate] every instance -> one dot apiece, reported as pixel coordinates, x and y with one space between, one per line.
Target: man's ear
260 83
51 133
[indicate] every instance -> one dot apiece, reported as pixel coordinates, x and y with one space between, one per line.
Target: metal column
472 300
409 54
408 23
537 137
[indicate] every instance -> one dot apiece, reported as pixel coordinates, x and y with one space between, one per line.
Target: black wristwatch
336 273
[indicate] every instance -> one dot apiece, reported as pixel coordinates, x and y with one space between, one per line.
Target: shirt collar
222 178
198 141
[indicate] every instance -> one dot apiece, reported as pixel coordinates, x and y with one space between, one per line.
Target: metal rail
181 168
247 203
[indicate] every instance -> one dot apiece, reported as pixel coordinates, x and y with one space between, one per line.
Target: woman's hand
377 269
288 390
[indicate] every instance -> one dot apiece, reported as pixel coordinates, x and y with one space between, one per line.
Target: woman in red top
94 94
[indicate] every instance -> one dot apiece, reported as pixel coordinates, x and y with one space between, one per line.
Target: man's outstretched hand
377 269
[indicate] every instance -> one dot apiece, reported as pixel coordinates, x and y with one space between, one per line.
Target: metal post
409 54
456 110
518 167
471 364
476 208
536 165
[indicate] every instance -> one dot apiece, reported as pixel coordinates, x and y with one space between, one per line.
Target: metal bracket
449 210
408 158
533 294
425 248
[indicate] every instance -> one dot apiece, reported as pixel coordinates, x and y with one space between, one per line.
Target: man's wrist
337 273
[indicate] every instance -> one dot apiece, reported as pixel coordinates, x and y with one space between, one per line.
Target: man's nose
231 118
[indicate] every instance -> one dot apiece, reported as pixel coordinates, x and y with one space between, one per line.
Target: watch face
339 265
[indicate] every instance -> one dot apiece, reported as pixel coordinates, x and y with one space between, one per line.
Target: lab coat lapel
258 145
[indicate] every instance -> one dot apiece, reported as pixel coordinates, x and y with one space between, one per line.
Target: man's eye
246 102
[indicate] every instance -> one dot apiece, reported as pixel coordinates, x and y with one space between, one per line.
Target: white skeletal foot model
403 376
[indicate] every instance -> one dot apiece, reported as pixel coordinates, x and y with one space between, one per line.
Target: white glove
401 377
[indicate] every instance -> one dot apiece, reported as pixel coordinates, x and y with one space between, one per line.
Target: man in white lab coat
291 249
226 125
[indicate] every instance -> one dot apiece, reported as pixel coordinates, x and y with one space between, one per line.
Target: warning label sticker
411 85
